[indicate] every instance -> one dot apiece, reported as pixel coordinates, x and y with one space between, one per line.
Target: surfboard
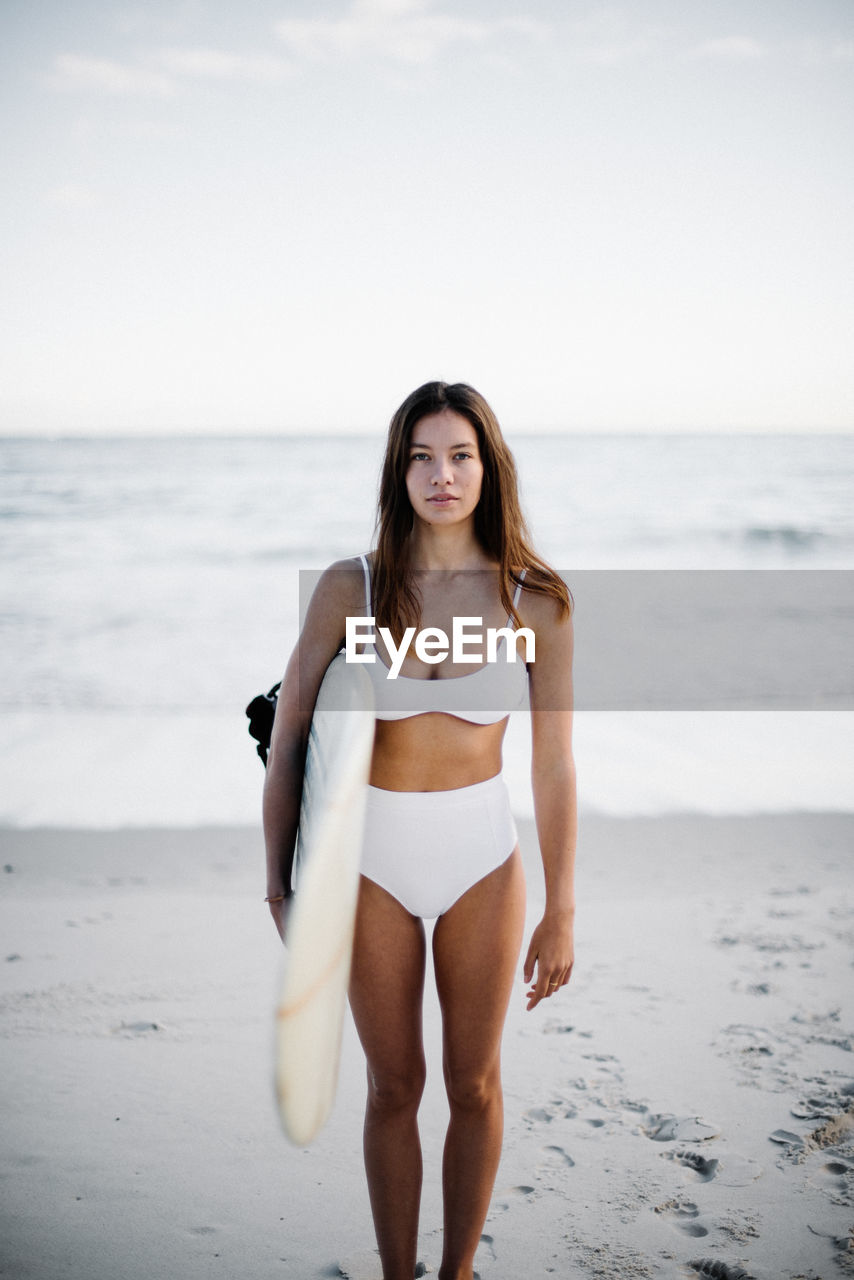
310 1012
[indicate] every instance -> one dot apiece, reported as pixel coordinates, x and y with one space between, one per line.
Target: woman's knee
473 1090
393 1091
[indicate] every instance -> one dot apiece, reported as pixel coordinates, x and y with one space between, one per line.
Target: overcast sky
284 215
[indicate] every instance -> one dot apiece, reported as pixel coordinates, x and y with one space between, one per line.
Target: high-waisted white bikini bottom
426 848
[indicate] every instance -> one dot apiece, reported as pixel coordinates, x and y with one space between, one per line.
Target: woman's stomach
435 752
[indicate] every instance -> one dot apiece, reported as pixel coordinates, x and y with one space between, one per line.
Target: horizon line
364 432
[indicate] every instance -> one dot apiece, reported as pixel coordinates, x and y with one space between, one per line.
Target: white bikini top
485 696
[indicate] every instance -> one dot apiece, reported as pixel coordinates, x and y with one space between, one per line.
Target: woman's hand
551 953
280 910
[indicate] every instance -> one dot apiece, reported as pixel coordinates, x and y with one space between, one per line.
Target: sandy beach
685 1108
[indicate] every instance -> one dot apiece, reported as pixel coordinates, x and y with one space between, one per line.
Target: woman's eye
462 455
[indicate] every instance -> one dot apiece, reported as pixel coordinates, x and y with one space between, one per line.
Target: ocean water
150 586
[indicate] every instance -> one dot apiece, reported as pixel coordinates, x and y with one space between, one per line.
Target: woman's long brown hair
499 524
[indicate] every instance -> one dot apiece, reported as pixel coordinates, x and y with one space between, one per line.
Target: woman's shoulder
343 582
350 564
543 610
329 597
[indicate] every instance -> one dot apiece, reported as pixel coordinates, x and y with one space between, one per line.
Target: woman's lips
442 499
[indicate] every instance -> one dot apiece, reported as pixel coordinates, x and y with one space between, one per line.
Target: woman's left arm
550 954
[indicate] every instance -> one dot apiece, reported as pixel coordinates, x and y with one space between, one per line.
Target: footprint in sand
539 1115
488 1245
679 1128
730 1170
558 1109
838 1131
814 1109
513 1194
785 1138
800 891
704 1169
557 1157
829 1101
683 1214
716 1270
836 1179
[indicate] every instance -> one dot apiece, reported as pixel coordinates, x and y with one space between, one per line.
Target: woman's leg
476 949
386 989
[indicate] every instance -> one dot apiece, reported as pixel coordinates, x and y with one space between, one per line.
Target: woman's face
445 472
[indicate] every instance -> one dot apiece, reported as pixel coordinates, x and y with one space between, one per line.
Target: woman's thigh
387 986
476 947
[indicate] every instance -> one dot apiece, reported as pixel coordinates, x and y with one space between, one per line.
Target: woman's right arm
338 593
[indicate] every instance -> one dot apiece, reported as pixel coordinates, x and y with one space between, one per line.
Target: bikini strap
367 574
516 595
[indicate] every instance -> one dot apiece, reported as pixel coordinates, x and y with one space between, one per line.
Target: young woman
440 841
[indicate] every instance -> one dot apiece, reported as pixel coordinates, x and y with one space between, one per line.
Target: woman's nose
443 472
